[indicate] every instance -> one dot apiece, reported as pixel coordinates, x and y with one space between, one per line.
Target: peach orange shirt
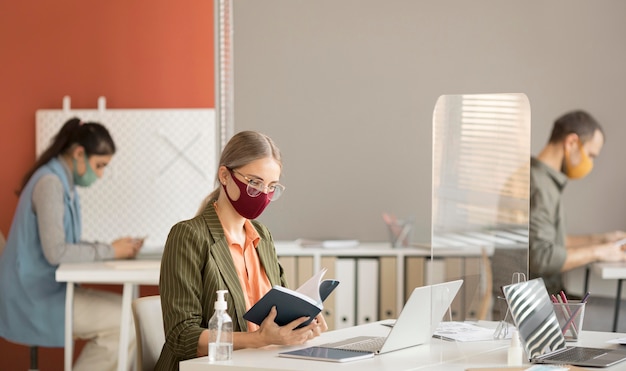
252 277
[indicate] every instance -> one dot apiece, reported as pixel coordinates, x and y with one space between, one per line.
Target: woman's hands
271 333
126 247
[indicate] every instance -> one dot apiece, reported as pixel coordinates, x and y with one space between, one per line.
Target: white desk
129 273
437 355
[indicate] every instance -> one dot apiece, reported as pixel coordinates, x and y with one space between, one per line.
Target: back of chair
149 328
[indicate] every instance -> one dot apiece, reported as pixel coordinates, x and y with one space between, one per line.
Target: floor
599 315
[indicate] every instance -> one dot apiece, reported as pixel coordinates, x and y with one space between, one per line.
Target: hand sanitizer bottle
220 331
516 352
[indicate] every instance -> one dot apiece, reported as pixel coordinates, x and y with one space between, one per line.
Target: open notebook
415 325
540 333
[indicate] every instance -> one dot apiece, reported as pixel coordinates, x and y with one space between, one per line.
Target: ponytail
205 202
92 136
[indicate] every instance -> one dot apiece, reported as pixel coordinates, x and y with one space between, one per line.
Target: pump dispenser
220 331
516 352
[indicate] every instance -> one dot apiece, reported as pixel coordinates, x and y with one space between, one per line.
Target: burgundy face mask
247 206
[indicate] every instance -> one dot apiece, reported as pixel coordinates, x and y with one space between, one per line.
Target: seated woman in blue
45 232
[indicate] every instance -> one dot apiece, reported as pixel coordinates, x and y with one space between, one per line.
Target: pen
585 298
554 299
568 314
571 319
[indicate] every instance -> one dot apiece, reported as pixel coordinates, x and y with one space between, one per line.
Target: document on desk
620 341
133 264
328 244
462 331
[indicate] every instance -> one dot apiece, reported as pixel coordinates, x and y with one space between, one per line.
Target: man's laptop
415 325
539 330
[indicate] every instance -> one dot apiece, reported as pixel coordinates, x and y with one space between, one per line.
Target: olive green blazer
196 263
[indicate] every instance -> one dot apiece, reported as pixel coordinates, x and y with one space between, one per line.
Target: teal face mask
86 179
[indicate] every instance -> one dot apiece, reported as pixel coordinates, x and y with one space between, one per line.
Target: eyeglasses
256 187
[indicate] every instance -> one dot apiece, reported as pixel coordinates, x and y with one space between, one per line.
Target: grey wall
347 89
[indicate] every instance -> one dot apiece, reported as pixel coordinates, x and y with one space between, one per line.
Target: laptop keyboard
576 354
368 344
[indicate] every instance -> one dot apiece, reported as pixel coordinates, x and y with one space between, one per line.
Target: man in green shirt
576 140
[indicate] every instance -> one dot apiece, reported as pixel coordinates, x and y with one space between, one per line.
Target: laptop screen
534 317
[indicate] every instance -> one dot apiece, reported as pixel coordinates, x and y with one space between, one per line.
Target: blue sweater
32 303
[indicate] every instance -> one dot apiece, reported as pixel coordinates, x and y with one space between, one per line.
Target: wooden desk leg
618 301
127 296
69 318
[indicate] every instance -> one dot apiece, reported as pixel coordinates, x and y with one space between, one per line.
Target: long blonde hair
242 149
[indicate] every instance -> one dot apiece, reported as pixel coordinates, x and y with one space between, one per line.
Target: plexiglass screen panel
481 157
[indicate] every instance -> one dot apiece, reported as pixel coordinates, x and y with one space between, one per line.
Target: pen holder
570 316
400 232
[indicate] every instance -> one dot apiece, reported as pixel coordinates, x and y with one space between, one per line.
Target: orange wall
136 53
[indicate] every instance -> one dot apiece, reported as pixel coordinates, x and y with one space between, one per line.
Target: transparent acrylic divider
502 331
480 193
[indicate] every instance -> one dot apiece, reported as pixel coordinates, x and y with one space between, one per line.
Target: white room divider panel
164 166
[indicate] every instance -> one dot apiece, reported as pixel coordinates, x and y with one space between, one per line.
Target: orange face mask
583 168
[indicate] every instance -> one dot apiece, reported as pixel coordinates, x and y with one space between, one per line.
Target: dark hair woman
45 232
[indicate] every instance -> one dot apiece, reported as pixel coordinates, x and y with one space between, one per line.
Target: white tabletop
142 272
609 270
437 355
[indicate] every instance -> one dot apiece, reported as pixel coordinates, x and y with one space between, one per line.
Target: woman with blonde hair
224 248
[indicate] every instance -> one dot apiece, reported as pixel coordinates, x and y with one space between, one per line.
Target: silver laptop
415 325
540 333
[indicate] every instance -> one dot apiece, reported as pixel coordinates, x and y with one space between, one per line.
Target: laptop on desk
540 333
415 325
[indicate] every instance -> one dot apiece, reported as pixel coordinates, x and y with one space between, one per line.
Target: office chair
149 329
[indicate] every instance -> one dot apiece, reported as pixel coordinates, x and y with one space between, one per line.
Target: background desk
376 279
437 355
609 271
129 273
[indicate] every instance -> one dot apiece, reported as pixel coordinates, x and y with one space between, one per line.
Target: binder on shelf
388 288
454 269
305 268
345 296
413 274
289 266
472 289
330 305
367 291
435 271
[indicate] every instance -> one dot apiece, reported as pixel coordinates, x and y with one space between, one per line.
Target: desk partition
481 173
481 152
